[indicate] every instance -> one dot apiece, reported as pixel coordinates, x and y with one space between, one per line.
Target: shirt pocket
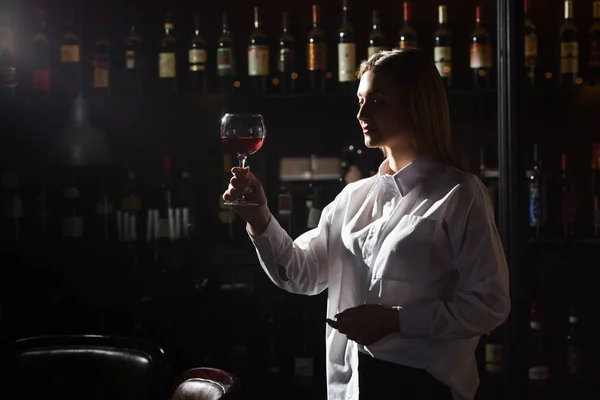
406 254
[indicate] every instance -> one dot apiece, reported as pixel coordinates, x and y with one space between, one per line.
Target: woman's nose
362 113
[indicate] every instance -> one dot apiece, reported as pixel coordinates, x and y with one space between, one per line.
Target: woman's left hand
367 323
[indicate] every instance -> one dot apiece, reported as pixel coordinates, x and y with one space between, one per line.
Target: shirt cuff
415 321
272 228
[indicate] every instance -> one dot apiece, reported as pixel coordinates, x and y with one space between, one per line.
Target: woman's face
383 114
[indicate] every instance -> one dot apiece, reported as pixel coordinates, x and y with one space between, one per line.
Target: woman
411 257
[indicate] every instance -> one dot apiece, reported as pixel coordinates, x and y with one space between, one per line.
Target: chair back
87 366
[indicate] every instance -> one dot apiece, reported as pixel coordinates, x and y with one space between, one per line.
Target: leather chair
206 384
84 366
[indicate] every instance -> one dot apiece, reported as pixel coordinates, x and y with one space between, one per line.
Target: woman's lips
366 131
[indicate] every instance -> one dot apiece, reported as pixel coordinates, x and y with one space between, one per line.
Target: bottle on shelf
481 53
442 47
8 65
286 63
70 57
568 199
129 214
537 193
101 74
346 52
594 63
167 58
407 37
226 69
569 48
104 230
531 46
134 61
573 353
258 56
197 59
73 213
538 366
316 53
41 81
377 41
596 188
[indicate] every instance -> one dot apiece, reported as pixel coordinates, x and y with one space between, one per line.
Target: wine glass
242 134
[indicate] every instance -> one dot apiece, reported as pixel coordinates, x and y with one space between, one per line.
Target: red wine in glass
241 145
242 134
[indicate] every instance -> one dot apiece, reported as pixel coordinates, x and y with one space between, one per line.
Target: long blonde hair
425 94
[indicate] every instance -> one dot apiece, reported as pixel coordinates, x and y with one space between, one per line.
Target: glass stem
242 163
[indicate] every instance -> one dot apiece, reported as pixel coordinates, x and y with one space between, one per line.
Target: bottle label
101 66
538 373
595 53
573 360
258 60
534 205
224 61
69 53
347 62
131 204
481 55
569 58
374 50
317 57
286 60
130 59
197 59
493 357
407 44
531 51
569 208
166 65
41 79
442 56
72 227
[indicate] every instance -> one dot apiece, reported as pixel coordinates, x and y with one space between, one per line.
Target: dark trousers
381 380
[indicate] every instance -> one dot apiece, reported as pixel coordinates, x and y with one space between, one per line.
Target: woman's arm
298 266
481 301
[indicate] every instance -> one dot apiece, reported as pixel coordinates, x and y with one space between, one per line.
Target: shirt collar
408 177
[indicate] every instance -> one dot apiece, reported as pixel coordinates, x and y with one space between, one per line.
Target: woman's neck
399 160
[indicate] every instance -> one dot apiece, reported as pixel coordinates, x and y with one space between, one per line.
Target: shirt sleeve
303 261
481 300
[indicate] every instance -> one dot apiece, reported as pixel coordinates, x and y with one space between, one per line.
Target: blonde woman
411 257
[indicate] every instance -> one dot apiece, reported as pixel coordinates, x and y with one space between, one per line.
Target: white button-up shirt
423 239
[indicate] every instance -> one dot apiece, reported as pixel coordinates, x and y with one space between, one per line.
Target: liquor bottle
536 189
569 48
531 46
101 65
258 56
596 188
104 230
187 205
197 59
442 48
8 69
73 213
12 213
595 45
134 61
167 58
407 37
538 367
493 362
573 350
316 53
481 53
129 215
568 199
226 69
377 41
166 226
41 81
286 63
70 57
346 52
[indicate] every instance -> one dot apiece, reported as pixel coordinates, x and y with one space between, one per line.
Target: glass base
238 203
